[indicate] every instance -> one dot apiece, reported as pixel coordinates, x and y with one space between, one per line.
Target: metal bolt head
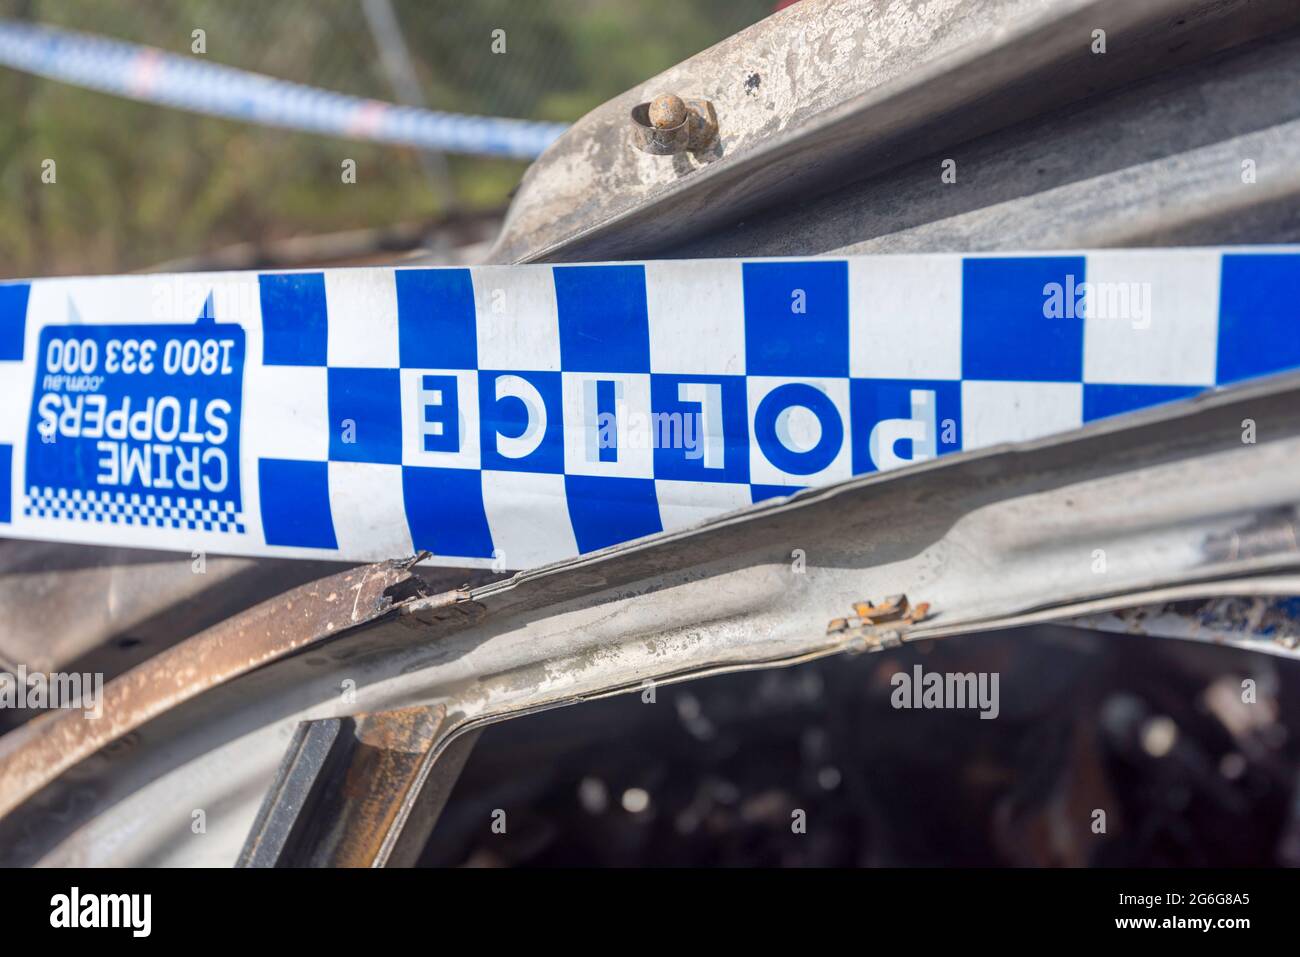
667 111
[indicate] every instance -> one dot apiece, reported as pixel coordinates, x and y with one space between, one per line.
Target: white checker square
905 317
286 412
528 513
104 300
518 324
993 412
633 430
696 311
1152 318
421 403
801 431
683 504
362 305
369 511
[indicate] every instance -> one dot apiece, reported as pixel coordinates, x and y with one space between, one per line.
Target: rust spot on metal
891 609
866 623
381 780
350 792
42 749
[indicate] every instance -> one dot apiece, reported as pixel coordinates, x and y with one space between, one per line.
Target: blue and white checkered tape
509 416
188 83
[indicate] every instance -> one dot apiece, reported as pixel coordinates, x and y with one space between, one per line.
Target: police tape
152 75
508 416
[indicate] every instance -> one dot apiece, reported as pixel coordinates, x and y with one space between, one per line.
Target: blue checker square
700 427
296 503
604 323
435 319
1103 401
6 483
445 512
607 511
13 319
365 409
295 320
898 421
1259 315
521 425
797 318
1010 329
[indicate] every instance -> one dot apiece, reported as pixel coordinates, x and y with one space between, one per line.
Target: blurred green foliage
139 184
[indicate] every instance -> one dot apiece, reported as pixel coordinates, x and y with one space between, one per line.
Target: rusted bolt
671 124
667 111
